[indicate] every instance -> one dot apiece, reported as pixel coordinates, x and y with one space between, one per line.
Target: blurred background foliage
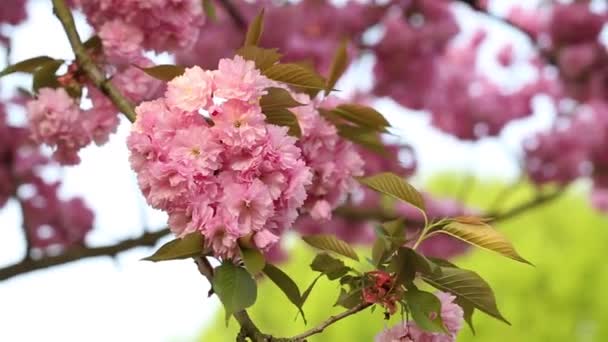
560 299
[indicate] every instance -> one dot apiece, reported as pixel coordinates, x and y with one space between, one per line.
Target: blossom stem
64 14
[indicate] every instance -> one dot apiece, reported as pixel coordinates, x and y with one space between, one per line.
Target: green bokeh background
562 298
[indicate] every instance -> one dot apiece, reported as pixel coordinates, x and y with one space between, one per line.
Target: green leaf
330 266
235 287
407 262
395 231
254 260
480 234
284 117
286 284
295 75
362 136
426 310
306 293
189 246
350 299
93 44
277 98
468 286
468 310
379 251
330 243
254 32
28 65
263 58
209 9
363 116
390 184
44 76
338 66
164 72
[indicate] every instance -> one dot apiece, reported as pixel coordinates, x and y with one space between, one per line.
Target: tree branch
331 320
86 63
78 253
475 5
235 14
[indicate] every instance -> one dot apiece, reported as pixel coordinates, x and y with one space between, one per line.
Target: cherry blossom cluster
161 25
51 223
204 154
57 119
451 315
333 160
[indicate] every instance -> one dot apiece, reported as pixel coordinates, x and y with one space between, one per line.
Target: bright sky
129 300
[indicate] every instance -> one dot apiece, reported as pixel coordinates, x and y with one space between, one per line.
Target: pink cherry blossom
191 91
238 79
54 119
451 314
228 175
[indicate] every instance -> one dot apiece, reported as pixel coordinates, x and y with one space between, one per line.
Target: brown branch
248 328
78 253
235 14
533 203
331 320
86 63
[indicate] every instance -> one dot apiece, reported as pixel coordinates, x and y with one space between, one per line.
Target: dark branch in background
63 13
150 239
78 253
235 14
474 4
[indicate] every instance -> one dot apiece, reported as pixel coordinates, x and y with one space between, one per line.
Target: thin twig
331 320
63 13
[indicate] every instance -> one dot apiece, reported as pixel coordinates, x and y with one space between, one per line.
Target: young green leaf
468 310
330 266
306 292
235 287
362 136
390 184
254 260
93 44
284 117
363 116
263 58
209 9
379 251
164 72
350 299
254 32
338 66
395 231
189 246
468 286
277 98
331 243
481 234
44 76
407 262
286 284
295 75
28 65
425 309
